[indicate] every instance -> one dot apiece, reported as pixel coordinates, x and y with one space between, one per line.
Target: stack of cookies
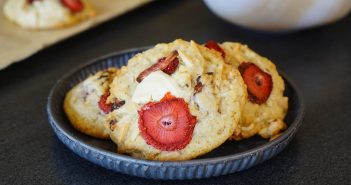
180 100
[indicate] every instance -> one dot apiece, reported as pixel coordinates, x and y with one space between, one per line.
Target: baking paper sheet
17 43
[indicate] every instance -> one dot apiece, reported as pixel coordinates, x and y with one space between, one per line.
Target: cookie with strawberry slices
266 105
86 104
45 14
181 101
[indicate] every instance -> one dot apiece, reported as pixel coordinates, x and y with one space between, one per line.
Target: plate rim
289 132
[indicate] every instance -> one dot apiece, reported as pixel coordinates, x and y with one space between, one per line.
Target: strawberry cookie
266 105
44 14
181 101
86 107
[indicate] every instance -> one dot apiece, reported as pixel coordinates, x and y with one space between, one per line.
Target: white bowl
280 15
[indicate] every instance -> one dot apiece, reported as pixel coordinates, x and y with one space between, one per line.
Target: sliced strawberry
73 5
167 64
213 45
259 83
103 105
109 107
168 124
172 67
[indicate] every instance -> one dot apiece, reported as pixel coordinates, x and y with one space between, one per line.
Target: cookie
45 14
266 105
85 104
181 101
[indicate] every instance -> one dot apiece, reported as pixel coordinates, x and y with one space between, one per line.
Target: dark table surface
317 60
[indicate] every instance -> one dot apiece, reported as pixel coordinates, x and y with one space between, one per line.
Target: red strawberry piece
73 5
109 107
213 45
168 124
259 83
103 105
167 64
170 69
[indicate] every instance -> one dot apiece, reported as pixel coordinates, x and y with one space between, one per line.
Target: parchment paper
17 43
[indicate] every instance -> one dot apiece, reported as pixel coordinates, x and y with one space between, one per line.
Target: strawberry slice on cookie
211 44
259 83
168 124
73 5
166 64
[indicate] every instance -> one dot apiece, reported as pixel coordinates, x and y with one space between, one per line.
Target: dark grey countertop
318 60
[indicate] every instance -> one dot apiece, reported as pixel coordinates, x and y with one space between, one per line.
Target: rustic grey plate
228 158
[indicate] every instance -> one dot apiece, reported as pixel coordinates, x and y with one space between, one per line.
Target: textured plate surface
228 158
